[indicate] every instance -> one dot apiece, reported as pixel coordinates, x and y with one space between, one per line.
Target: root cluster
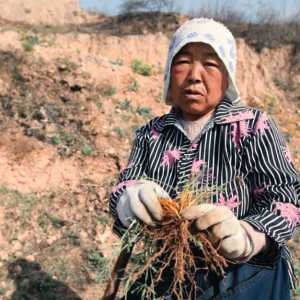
170 245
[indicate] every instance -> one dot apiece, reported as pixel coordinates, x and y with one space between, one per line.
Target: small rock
62 68
76 88
30 258
111 151
8 294
6 102
92 276
83 235
4 256
23 237
64 98
22 114
77 217
39 115
51 240
16 245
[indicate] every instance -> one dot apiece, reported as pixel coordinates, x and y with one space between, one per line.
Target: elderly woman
255 215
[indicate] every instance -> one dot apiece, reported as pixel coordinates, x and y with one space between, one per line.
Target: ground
71 97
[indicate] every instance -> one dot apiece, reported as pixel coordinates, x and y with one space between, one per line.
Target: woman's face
198 80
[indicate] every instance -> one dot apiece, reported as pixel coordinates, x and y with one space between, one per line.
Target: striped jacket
240 149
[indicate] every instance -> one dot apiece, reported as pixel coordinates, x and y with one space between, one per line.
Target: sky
249 7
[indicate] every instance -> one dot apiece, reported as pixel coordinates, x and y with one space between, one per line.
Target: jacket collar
225 113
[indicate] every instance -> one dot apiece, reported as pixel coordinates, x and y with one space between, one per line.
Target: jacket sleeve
135 170
274 207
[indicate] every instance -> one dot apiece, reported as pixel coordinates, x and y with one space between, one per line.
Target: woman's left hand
224 229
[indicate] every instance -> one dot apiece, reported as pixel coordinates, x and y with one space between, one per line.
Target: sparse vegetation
104 219
72 237
134 128
118 62
140 68
55 221
130 6
66 65
267 28
70 142
29 41
43 222
288 137
60 268
296 293
55 140
25 202
133 86
99 264
125 105
272 102
282 84
87 150
16 74
144 112
108 91
120 132
51 130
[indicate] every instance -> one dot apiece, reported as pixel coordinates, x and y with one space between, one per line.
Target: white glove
224 229
141 201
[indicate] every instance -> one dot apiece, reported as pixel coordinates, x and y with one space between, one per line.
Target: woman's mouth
193 94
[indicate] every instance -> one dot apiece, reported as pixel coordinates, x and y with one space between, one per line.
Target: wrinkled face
198 80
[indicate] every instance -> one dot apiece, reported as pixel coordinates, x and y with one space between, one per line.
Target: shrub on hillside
130 6
139 67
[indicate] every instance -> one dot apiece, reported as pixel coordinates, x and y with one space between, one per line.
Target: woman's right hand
141 201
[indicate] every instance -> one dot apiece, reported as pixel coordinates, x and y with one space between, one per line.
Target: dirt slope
41 12
69 104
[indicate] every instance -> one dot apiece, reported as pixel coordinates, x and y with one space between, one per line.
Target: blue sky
250 7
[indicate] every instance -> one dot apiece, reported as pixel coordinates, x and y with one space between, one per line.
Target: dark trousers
252 282
241 282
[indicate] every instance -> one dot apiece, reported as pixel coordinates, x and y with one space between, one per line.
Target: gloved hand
141 201
223 228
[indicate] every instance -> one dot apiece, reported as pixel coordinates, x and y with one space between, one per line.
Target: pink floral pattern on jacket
230 202
154 134
241 116
259 190
239 130
239 125
262 124
170 156
288 211
194 145
196 165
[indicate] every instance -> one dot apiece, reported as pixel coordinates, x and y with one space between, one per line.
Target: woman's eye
211 64
182 61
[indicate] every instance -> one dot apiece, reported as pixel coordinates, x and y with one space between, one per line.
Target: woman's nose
196 72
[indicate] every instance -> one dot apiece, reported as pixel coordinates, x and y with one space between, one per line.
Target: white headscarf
214 34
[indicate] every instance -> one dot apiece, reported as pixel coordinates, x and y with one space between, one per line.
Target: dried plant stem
150 262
